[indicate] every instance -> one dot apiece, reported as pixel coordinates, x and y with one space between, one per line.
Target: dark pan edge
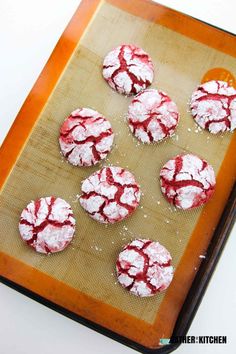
85 322
195 18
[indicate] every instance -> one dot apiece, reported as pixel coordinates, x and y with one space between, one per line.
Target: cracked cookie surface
144 267
86 137
47 225
152 116
110 194
213 106
128 69
187 181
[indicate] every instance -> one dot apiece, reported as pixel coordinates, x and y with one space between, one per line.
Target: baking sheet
87 265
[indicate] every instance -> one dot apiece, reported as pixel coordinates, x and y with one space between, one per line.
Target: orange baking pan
80 282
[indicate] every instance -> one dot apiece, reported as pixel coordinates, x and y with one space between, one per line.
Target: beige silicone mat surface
88 264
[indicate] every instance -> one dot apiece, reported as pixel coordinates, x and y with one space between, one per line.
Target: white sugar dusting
130 267
47 225
187 181
86 137
110 194
128 69
213 106
152 116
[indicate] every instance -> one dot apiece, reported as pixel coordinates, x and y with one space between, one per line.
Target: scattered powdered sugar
198 129
47 224
110 194
74 199
187 181
152 116
172 209
144 267
213 106
126 233
128 69
98 248
86 137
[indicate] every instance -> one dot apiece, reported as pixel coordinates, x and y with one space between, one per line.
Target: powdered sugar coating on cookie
187 181
128 69
47 225
213 106
110 194
152 116
86 137
144 267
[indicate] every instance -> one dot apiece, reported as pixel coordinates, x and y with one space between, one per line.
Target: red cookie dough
110 194
187 181
213 106
144 267
152 116
47 224
128 69
86 137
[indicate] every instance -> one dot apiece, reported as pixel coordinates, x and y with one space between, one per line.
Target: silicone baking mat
82 279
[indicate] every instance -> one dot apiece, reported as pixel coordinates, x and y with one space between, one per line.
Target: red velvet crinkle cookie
144 267
152 116
187 181
86 137
213 106
47 224
110 194
128 69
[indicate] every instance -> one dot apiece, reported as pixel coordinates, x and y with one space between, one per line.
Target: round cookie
213 106
110 194
152 116
47 225
86 137
128 69
187 181
144 267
